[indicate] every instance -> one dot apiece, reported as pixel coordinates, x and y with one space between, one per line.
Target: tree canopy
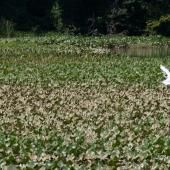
132 17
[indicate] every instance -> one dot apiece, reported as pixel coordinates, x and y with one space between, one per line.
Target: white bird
167 73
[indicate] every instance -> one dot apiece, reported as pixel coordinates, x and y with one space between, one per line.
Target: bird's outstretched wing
165 70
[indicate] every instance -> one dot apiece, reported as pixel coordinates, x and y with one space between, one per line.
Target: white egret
167 73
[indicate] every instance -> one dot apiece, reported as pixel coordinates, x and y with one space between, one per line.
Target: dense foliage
72 102
85 16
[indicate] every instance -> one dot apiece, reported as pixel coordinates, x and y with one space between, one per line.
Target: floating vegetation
69 103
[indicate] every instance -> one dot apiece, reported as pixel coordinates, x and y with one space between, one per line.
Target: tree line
92 17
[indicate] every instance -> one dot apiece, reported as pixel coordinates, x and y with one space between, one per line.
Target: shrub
6 28
152 27
164 27
161 26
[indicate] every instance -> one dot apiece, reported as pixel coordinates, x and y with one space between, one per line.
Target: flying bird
167 73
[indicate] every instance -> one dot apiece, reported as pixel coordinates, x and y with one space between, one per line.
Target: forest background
91 17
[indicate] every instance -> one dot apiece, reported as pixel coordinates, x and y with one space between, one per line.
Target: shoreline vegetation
69 56
107 42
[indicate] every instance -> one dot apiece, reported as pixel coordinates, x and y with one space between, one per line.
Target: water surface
144 51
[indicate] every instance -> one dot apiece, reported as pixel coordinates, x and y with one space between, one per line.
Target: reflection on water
147 52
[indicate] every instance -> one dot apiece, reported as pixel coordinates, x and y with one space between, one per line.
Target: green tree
56 16
127 16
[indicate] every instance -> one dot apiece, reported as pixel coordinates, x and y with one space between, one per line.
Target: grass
66 105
